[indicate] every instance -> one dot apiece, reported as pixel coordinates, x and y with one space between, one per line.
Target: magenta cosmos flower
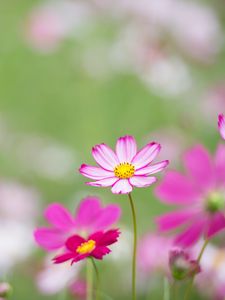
96 246
89 218
125 168
200 195
221 125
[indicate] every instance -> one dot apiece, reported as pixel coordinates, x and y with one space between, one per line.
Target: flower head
199 194
221 125
181 265
125 168
96 246
90 217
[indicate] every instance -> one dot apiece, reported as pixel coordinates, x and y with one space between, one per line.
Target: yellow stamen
86 247
124 170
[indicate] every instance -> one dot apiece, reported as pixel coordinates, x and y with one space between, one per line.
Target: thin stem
97 279
134 247
89 280
166 292
174 290
190 286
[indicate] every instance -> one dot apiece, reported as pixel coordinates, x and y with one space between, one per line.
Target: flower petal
126 148
146 155
217 223
199 166
63 258
109 237
220 163
100 251
142 181
221 125
73 242
103 182
176 189
122 186
192 234
173 220
49 239
105 157
59 216
95 172
152 169
107 217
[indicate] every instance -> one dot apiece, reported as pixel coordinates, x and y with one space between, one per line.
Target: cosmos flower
125 168
96 246
199 194
90 217
221 125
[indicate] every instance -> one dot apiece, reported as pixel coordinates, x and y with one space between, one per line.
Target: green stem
190 286
166 290
89 279
134 248
97 279
174 290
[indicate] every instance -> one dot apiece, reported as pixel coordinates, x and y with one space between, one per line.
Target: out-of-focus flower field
74 74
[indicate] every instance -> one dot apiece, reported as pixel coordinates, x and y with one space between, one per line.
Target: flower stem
166 290
134 247
97 279
174 290
89 279
190 286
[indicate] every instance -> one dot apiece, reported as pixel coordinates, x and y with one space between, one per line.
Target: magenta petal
100 251
152 169
146 155
199 166
176 189
107 217
172 220
49 239
73 242
95 173
87 212
142 181
192 234
79 258
105 157
59 216
126 148
221 125
109 237
217 223
220 163
122 186
63 258
103 182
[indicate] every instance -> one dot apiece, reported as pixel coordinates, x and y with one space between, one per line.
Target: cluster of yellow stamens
124 170
86 247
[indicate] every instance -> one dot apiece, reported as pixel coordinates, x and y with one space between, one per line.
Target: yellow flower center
86 247
124 170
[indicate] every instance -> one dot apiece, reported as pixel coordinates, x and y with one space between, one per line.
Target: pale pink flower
221 125
90 217
126 167
199 194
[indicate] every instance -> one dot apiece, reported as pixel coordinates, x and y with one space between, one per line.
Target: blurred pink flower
153 254
200 194
79 289
126 168
221 125
96 246
90 217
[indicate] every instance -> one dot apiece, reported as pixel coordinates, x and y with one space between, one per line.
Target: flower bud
182 266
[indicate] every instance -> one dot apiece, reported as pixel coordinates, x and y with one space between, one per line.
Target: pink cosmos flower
221 125
199 193
96 246
125 168
90 217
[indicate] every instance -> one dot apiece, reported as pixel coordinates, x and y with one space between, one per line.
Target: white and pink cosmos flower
126 167
221 125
